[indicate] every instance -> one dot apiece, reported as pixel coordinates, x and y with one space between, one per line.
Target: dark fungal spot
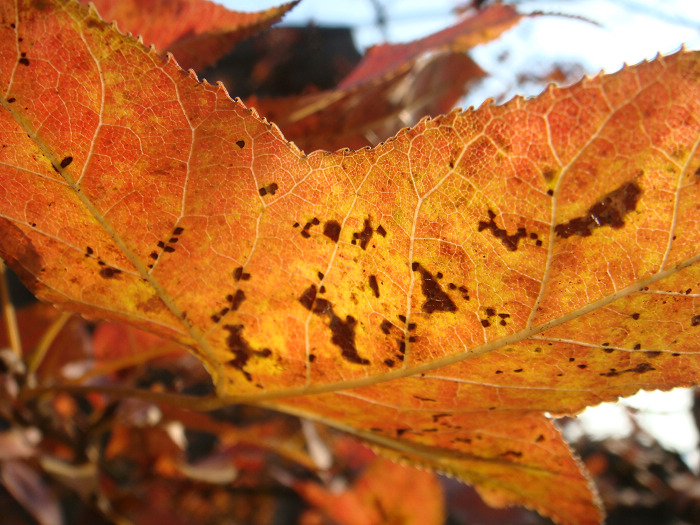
374 285
611 211
401 431
539 439
343 331
322 289
635 316
241 349
548 173
109 273
695 320
402 347
550 192
308 297
509 241
511 453
381 231
490 312
419 398
538 242
240 143
452 286
675 354
24 61
161 244
439 275
385 327
637 346
411 327
312 358
583 367
499 371
305 234
66 162
436 298
11 100
168 249
272 188
641 368
215 318
320 276
332 230
101 263
88 251
389 362
262 191
173 239
572 359
412 339
608 350
402 318
178 230
365 235
652 353
315 221
296 225
236 299
238 273
485 323
518 370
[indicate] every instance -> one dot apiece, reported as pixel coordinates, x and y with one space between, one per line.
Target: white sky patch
629 31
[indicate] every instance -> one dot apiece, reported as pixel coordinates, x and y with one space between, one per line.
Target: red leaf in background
197 32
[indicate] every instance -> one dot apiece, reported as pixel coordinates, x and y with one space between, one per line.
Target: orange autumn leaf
197 32
385 493
434 295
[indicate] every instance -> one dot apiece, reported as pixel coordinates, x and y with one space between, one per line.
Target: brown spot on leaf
652 353
272 188
436 298
178 230
307 298
365 235
695 320
389 362
236 299
168 249
641 368
11 100
237 273
240 143
381 231
611 211
385 327
635 316
509 241
343 331
241 349
24 61
374 285
485 323
109 273
66 162
332 230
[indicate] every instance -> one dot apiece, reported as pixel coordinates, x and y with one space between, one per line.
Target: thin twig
39 352
8 312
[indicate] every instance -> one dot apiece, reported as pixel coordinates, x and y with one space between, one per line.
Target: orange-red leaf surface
434 295
385 493
197 32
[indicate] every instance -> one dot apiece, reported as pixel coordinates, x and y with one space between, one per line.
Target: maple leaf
434 295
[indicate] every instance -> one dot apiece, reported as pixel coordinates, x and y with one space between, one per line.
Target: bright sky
628 31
